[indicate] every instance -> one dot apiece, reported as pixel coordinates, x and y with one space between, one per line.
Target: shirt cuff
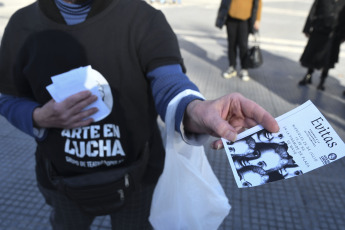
39 133
188 137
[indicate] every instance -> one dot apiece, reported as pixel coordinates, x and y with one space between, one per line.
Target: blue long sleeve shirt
18 110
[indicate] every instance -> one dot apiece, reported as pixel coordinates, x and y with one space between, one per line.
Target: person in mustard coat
241 18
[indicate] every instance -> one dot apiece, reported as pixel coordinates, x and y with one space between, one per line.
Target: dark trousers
237 31
66 215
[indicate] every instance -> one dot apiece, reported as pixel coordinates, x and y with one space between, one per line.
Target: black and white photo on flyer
305 141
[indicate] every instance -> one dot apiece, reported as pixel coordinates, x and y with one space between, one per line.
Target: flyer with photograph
305 141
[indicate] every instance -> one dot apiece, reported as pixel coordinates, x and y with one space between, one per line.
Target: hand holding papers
80 79
306 141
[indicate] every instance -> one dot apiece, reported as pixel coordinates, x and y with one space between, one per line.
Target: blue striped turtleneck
74 13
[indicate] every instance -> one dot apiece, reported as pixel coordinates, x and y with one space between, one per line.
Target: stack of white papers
77 80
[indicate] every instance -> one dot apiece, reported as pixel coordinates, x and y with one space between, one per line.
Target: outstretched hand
226 117
67 114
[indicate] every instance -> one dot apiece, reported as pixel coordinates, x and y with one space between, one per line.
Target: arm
166 82
255 17
308 23
258 17
340 27
18 111
32 118
226 116
222 13
69 114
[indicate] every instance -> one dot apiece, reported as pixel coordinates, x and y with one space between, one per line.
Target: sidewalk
310 202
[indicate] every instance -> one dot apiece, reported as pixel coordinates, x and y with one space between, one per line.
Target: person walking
322 49
241 17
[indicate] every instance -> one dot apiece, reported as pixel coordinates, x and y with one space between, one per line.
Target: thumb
231 135
225 130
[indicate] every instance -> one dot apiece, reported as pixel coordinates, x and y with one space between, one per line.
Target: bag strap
256 36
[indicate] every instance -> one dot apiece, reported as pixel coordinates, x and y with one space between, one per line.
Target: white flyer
305 141
79 79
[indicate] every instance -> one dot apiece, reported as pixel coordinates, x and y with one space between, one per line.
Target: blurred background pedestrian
241 17
322 49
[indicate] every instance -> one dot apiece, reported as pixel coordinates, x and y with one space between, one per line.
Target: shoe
244 75
305 80
231 72
321 84
321 87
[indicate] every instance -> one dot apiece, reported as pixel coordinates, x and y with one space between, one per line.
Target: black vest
120 42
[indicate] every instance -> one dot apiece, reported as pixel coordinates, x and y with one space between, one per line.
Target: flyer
80 79
305 141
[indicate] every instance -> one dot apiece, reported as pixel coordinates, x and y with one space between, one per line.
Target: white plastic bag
188 195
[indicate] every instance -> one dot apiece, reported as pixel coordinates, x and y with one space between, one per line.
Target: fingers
72 111
226 116
265 119
77 119
269 123
209 117
257 25
78 101
218 144
257 115
223 129
67 114
244 113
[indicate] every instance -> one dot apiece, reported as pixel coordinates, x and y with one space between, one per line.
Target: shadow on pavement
280 76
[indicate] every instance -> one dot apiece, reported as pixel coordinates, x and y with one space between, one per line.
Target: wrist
38 130
36 118
189 122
